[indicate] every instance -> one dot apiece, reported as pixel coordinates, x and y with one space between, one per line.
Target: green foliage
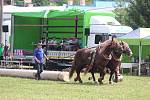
120 11
138 13
58 2
120 14
19 2
40 2
49 2
135 15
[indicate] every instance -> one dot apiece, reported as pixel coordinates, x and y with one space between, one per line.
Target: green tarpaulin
49 13
57 13
30 14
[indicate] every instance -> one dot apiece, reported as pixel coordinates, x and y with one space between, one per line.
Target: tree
121 11
58 2
136 14
49 2
40 2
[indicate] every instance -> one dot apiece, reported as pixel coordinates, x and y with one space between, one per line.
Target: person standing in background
1 51
39 60
5 52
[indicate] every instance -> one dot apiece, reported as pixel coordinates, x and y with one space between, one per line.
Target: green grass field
131 88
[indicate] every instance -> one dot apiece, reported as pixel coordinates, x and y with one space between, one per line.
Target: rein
107 58
115 58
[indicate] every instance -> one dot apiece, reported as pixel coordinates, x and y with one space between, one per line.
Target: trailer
62 33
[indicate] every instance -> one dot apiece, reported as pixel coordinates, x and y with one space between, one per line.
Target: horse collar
107 58
116 59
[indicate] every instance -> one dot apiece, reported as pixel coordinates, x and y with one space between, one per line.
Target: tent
138 37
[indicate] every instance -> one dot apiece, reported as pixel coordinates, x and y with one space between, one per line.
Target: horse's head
126 48
116 46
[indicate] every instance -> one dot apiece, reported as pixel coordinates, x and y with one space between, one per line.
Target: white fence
61 54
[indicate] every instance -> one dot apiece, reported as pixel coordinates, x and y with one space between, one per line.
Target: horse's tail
72 69
88 68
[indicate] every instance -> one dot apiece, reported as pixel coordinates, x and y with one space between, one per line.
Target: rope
117 59
107 58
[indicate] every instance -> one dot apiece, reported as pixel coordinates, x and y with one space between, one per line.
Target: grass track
132 88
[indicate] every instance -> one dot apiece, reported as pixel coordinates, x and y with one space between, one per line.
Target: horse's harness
115 58
94 51
107 58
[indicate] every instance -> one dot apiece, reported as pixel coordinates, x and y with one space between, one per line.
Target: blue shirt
39 54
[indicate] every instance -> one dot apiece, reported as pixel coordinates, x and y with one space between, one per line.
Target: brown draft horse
82 58
115 62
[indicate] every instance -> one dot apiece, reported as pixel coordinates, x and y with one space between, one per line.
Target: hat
39 44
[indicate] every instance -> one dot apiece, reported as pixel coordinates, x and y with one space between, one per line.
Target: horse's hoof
89 78
95 82
80 82
75 79
101 83
110 82
99 80
116 81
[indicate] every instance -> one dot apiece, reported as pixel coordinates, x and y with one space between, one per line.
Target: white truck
103 26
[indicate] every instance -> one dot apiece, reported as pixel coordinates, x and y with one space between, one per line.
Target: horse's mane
125 44
107 43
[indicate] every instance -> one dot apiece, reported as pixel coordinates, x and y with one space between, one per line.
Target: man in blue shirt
39 59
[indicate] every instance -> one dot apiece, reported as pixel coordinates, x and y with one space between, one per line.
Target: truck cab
101 27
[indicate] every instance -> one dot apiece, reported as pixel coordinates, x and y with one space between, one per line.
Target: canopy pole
76 26
140 51
12 35
46 42
1 19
